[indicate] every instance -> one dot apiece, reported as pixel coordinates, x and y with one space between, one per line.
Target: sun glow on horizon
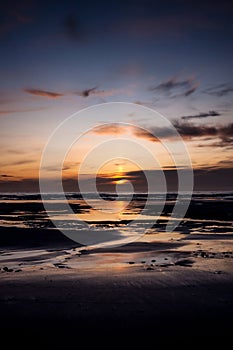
121 181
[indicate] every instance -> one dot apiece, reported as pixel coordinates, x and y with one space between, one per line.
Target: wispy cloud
5 176
149 134
87 92
95 91
65 167
223 133
110 129
112 92
44 93
92 91
144 134
220 90
20 110
23 162
17 162
176 87
154 134
202 115
14 151
73 27
188 130
4 112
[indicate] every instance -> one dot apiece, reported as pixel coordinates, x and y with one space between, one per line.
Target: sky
174 57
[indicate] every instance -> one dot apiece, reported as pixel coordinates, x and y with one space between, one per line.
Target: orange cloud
144 134
117 129
112 129
44 93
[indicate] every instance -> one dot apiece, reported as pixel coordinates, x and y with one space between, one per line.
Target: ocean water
208 212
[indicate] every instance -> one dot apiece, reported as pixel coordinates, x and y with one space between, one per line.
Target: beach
162 286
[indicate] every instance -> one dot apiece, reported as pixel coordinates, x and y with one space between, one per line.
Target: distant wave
114 196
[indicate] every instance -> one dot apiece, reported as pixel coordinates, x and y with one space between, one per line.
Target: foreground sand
162 286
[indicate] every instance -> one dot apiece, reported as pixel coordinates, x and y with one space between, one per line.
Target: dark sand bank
176 302
158 291
16 237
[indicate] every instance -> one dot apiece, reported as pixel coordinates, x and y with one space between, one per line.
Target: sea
113 214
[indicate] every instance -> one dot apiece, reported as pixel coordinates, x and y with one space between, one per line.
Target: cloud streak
202 115
219 90
175 87
110 129
189 131
87 92
5 176
95 91
44 93
18 162
147 133
12 111
222 132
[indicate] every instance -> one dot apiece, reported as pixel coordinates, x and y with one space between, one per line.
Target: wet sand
164 287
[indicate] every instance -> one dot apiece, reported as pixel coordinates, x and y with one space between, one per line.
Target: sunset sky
60 57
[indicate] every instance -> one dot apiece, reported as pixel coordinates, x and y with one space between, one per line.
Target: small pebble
149 268
83 251
5 268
